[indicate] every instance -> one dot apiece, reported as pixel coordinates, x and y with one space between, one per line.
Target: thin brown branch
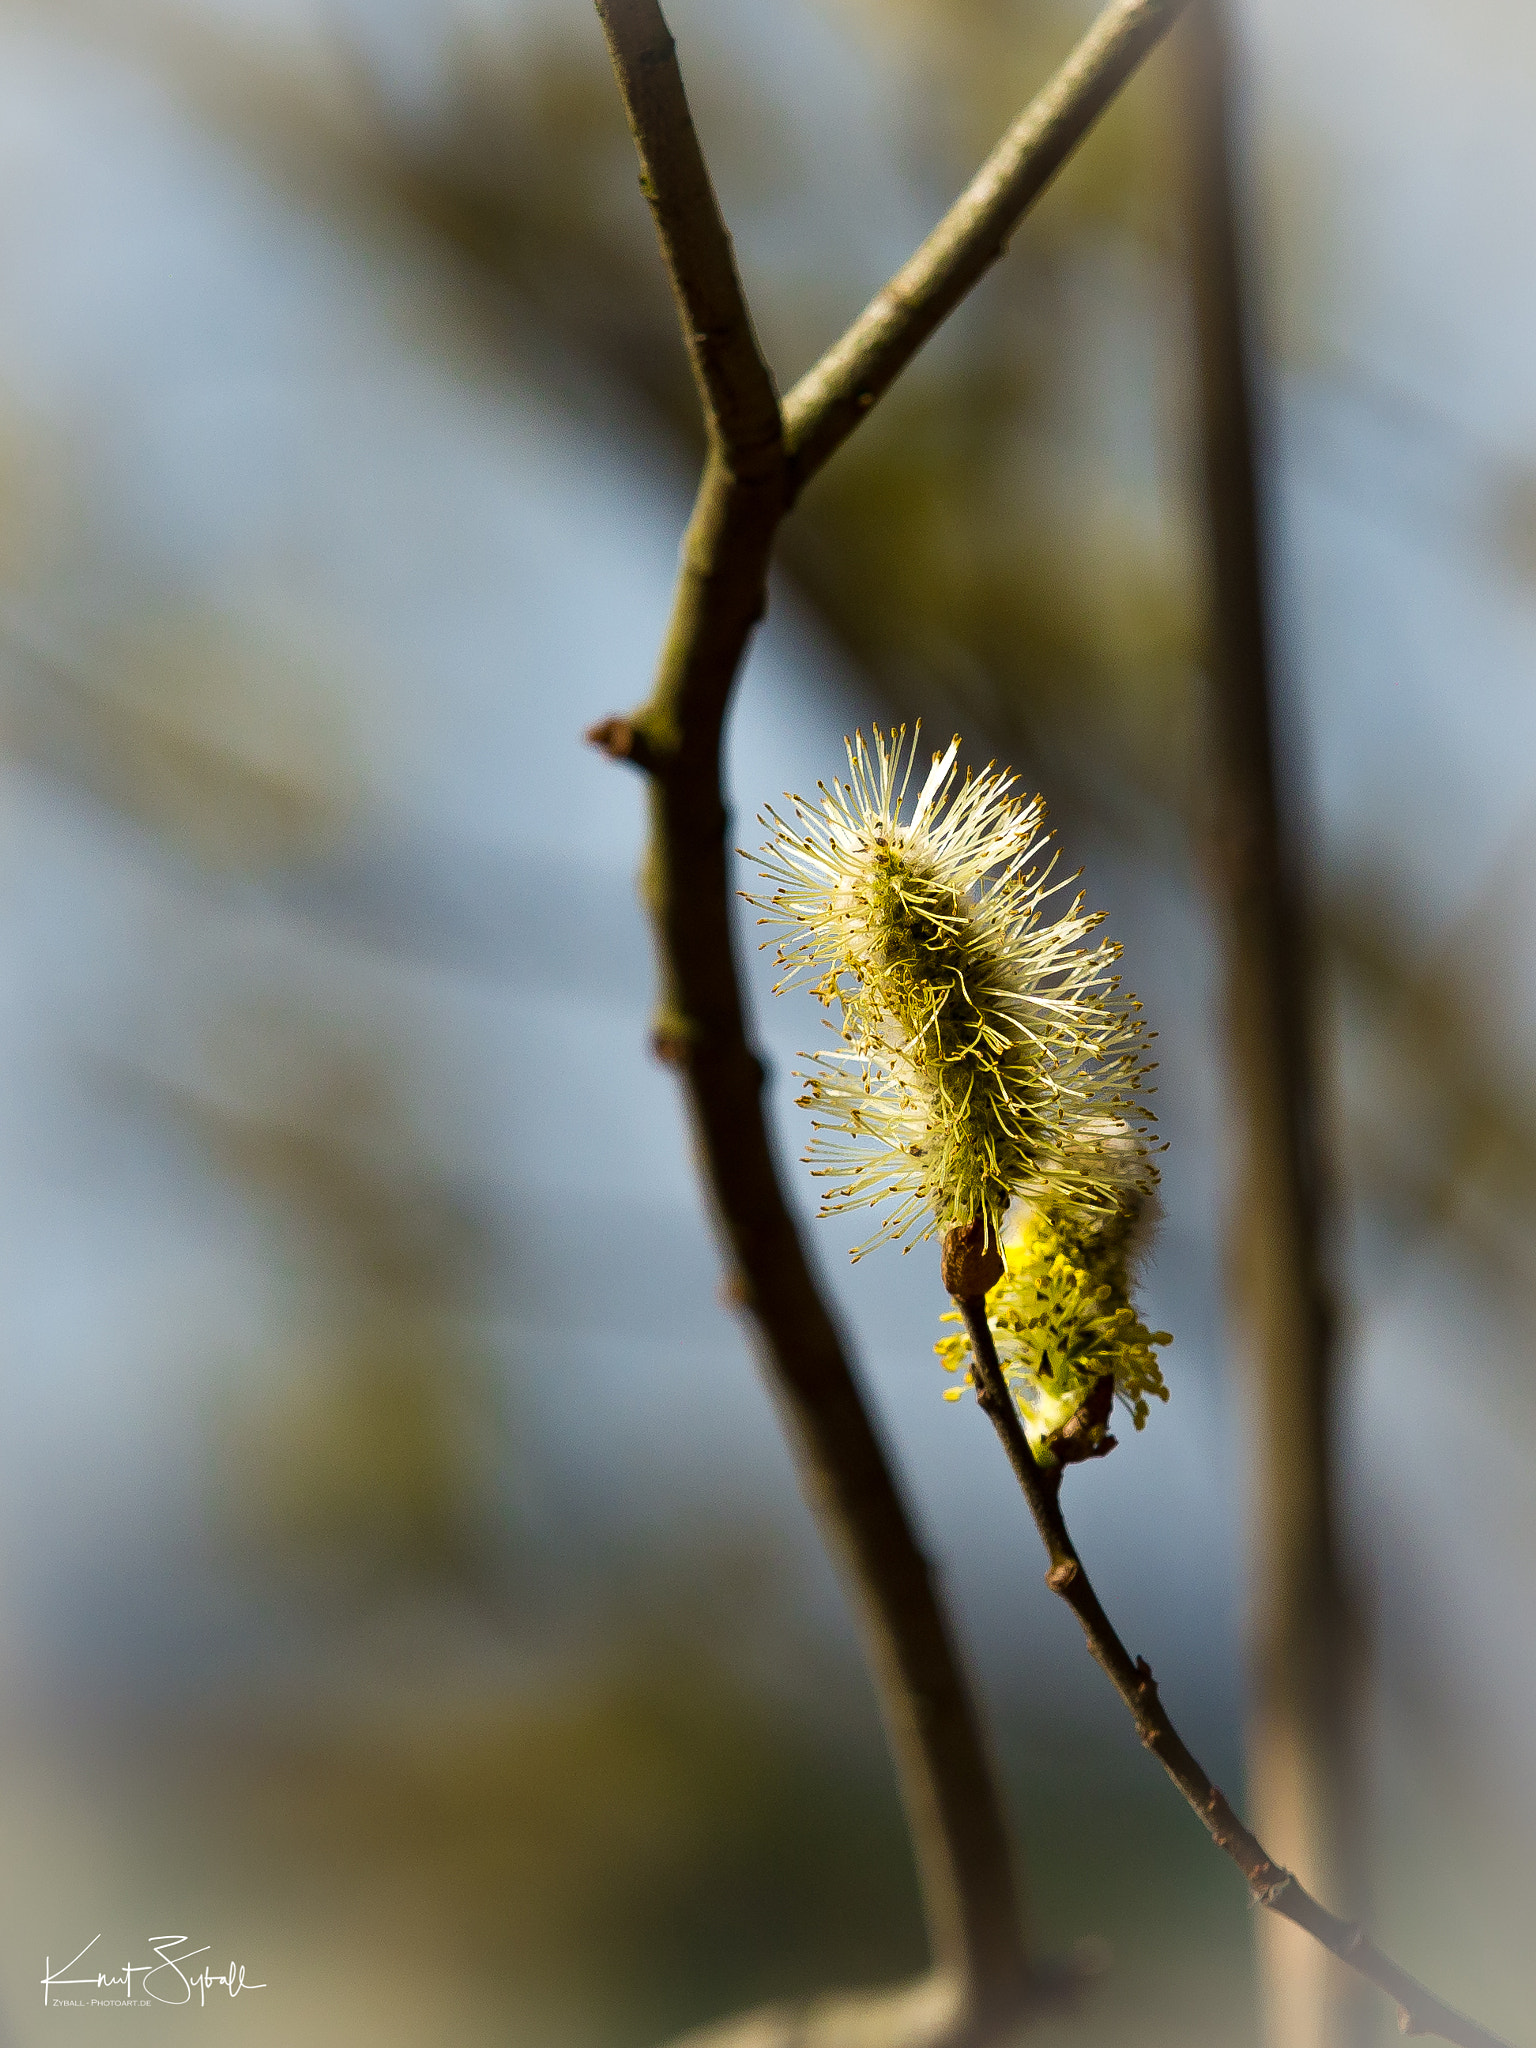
982 1986
960 1838
740 404
830 400
1419 2011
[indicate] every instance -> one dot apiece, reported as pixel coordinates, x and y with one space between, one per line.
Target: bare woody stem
1419 2011
741 407
757 463
830 400
750 479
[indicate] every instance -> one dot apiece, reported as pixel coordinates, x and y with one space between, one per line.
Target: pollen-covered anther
1069 1339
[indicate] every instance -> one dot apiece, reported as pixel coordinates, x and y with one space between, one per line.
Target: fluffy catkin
980 1040
1069 1338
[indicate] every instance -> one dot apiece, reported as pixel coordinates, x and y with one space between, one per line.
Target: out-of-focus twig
1272 1886
1303 1649
982 1985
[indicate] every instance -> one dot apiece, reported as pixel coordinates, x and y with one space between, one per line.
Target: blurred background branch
1304 1761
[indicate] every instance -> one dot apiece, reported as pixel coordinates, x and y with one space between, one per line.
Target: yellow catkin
978 1038
1063 1319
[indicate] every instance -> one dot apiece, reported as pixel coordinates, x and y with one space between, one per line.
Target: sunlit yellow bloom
1068 1337
982 1044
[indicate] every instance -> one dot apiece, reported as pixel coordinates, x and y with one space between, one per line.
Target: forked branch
980 1988
982 1985
1419 2011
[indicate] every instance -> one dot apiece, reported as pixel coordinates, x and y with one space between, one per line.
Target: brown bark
982 1986
1269 1882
